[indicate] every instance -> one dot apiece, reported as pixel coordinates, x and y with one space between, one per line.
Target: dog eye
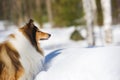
38 31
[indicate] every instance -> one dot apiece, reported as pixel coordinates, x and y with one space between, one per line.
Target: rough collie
21 57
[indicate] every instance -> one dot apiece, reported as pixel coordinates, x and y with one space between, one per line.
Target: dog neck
21 38
28 34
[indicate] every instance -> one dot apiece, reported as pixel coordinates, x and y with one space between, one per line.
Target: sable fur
13 64
29 30
10 66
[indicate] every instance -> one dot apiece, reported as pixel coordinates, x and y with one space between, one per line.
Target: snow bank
84 64
5 32
77 63
2 25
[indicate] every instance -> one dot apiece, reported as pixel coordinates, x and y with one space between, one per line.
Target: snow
69 60
5 32
2 25
74 61
77 63
60 38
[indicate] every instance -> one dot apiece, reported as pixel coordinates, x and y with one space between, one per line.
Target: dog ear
30 23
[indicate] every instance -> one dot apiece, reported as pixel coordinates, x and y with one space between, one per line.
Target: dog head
33 33
36 33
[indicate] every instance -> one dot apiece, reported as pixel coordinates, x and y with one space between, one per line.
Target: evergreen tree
67 12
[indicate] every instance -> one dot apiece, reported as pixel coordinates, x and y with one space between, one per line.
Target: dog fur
21 57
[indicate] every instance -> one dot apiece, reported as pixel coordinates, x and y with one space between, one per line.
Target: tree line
62 13
58 12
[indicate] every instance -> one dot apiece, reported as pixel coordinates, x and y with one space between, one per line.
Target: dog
21 57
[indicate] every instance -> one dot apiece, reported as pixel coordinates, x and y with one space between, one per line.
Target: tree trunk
106 7
38 4
49 11
90 12
18 12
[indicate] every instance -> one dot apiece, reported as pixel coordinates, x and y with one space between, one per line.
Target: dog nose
49 35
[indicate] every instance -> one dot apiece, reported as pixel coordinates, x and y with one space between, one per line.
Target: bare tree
90 12
38 5
18 12
106 7
49 11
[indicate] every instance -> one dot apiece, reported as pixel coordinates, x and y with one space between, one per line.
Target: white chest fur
30 59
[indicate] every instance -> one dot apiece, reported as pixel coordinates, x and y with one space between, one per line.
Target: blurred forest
42 11
58 12
65 13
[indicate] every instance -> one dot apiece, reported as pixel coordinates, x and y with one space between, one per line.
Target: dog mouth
44 39
49 35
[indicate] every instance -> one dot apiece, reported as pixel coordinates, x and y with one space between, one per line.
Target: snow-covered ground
83 64
69 60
